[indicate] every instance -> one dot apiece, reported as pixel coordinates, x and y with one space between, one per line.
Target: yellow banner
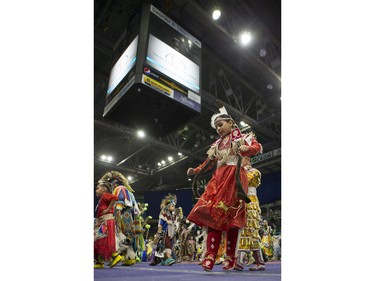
157 84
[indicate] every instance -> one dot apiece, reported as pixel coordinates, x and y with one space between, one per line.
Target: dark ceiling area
247 80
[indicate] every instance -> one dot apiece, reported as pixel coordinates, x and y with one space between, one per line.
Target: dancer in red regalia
104 227
222 206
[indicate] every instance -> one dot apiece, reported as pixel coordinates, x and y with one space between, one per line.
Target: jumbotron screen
175 56
123 65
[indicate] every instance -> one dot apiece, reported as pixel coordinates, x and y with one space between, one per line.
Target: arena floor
189 271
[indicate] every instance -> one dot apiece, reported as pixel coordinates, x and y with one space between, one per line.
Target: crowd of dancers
224 227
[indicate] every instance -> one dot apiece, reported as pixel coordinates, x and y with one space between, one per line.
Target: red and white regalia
219 207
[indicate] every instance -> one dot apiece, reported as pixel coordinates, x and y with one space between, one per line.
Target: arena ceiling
247 80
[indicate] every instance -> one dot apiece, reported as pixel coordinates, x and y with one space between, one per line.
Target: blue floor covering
185 271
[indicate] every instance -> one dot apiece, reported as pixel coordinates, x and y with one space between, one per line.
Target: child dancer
222 206
126 208
104 231
164 241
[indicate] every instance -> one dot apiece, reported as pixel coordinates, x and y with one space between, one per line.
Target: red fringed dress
219 207
106 245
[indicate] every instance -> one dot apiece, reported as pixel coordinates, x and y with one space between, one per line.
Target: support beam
122 168
131 155
209 99
148 140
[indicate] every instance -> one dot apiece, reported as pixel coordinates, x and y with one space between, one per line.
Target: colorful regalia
140 227
267 240
126 208
222 205
104 228
164 240
219 206
249 239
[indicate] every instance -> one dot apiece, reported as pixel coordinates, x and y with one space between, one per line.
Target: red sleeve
197 169
254 148
109 197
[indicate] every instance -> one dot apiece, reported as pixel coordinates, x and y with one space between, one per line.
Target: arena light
170 158
216 14
245 38
141 134
262 53
106 158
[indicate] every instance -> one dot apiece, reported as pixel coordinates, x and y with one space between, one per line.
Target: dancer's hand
190 172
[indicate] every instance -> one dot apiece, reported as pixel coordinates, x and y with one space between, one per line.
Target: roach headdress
221 116
116 177
168 199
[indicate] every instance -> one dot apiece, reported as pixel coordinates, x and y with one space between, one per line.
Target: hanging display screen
123 65
156 80
172 63
173 60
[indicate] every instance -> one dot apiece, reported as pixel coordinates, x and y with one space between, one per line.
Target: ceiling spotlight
170 158
262 53
163 162
103 157
159 164
141 134
216 14
130 178
245 38
179 154
109 158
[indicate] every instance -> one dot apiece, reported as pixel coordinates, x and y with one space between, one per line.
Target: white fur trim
213 117
261 149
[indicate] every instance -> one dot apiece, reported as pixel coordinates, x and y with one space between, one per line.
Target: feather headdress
107 185
168 199
116 177
221 116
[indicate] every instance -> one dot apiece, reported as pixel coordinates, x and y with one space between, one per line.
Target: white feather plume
223 110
